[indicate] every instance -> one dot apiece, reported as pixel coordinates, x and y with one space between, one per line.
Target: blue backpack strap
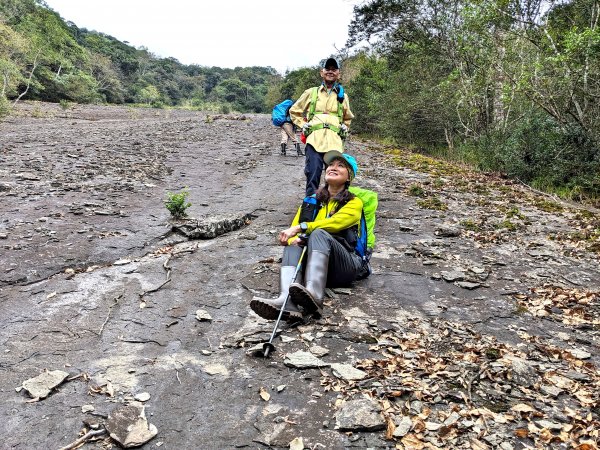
309 209
361 245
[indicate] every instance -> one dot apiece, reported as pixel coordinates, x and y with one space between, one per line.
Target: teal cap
348 159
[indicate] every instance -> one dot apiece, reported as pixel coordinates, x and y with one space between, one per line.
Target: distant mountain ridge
43 57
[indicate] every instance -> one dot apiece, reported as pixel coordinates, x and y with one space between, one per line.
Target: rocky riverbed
479 328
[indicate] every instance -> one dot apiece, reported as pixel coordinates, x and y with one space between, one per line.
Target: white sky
224 33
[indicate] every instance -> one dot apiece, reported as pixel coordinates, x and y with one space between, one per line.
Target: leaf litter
460 389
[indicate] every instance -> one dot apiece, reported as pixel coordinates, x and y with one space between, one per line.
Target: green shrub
64 104
177 203
547 155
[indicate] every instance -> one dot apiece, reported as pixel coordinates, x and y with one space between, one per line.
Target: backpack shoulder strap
313 103
340 111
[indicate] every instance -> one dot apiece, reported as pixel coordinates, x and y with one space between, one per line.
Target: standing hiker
323 113
281 118
288 131
332 237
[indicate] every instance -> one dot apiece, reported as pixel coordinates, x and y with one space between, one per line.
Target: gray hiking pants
344 266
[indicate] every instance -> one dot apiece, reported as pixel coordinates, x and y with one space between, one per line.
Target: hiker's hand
305 129
343 130
287 234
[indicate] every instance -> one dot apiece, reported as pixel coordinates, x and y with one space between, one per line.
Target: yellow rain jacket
330 219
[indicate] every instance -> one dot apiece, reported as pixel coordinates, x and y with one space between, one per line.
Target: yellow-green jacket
331 220
326 109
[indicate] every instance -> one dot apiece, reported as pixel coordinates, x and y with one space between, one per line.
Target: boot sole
302 299
269 312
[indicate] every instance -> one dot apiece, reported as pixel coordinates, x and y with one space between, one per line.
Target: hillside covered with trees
42 57
508 85
511 86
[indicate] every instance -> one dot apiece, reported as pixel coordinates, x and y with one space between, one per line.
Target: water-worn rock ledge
479 326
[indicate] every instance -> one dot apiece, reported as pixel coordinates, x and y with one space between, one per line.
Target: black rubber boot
298 149
283 146
310 296
269 308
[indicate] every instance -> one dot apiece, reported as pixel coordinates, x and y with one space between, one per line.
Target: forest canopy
511 86
42 57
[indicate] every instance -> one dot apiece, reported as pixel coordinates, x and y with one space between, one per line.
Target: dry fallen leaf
521 433
264 394
412 442
522 407
297 444
478 445
390 428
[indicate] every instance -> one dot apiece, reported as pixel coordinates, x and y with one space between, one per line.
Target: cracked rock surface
480 319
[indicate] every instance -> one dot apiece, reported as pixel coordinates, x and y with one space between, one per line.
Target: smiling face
337 173
330 75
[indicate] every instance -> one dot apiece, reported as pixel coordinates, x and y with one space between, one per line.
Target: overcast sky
225 33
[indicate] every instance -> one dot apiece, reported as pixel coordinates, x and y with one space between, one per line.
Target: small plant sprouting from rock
177 203
506 224
65 104
468 224
432 203
515 213
416 190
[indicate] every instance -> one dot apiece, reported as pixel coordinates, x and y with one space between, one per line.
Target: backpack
366 228
280 114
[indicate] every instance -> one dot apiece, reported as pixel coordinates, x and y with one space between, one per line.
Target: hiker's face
330 75
337 173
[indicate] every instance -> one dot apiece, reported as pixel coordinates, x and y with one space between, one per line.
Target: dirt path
94 282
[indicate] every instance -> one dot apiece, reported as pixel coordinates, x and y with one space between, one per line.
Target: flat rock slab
348 372
467 285
453 275
211 227
128 426
42 385
403 426
203 316
360 415
303 360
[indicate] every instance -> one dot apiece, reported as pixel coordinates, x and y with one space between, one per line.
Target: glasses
330 69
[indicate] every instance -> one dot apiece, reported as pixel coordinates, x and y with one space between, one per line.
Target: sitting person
332 236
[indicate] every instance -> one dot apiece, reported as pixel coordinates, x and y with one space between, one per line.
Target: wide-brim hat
347 159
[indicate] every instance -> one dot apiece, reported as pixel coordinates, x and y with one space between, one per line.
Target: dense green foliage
44 58
510 85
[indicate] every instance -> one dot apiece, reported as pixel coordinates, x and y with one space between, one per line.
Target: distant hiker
332 237
281 118
323 113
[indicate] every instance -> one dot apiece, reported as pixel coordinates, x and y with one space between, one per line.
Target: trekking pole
268 347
